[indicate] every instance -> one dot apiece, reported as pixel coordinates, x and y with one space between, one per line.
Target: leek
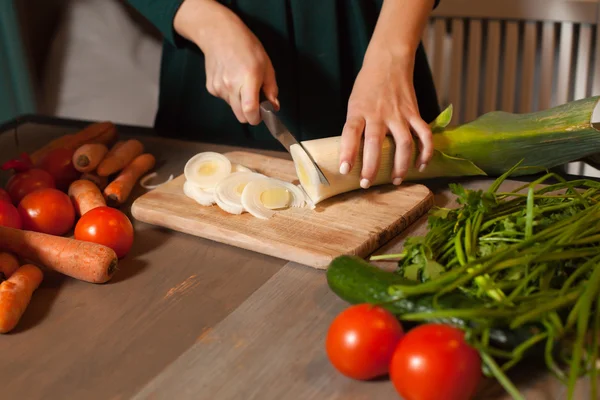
487 146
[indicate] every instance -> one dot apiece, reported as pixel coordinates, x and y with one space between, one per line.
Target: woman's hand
383 99
383 102
237 66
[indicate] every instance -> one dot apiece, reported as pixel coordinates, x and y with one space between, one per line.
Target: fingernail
397 181
422 167
344 168
365 183
277 103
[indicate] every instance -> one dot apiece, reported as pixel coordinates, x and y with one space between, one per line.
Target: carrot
121 157
16 293
100 181
85 196
119 189
102 132
86 261
87 157
8 265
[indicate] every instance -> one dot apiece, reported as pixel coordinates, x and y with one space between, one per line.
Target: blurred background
100 60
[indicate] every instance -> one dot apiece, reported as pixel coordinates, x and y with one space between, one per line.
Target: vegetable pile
517 272
211 178
59 210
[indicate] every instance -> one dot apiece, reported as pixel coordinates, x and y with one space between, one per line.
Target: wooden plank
584 11
456 70
596 71
527 76
356 222
492 64
584 50
547 66
439 70
473 65
565 55
509 76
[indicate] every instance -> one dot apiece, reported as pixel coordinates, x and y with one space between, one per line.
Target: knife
283 135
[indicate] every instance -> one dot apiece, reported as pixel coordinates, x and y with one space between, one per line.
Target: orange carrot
114 148
86 261
8 265
87 157
16 293
119 189
85 196
121 157
100 181
102 132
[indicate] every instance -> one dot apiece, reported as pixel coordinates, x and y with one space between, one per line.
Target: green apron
316 47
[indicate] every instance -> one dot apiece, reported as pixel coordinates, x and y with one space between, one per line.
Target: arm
383 98
237 66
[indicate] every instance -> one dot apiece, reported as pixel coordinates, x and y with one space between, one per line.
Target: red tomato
361 341
47 210
4 196
107 226
59 163
23 183
9 215
433 361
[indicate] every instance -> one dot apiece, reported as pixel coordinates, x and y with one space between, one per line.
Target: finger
249 98
404 150
236 105
351 134
270 88
374 134
423 132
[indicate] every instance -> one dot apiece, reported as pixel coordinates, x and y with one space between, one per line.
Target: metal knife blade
283 135
596 117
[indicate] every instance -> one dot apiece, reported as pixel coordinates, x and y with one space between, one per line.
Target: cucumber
356 281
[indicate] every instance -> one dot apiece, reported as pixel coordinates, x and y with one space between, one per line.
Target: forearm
400 27
197 20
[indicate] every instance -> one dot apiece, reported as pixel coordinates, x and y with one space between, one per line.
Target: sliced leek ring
205 197
228 192
206 169
262 196
240 168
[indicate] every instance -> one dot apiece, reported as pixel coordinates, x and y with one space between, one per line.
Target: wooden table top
187 318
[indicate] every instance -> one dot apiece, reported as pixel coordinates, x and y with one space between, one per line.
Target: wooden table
187 318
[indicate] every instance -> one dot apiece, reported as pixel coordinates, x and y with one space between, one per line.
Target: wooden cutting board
355 223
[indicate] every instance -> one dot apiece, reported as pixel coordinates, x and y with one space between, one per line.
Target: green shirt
316 47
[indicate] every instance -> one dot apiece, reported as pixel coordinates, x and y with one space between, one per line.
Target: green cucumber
356 281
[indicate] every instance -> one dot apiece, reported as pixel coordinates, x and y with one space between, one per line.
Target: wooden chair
514 55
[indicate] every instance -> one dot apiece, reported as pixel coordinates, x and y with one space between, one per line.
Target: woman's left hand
382 102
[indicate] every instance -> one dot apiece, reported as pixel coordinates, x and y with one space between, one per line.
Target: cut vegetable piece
240 168
206 169
228 192
273 191
149 177
201 196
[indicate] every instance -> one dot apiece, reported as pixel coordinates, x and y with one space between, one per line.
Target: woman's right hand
237 65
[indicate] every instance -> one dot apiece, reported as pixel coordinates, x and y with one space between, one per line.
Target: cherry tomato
107 226
361 341
47 210
433 360
9 215
59 163
23 183
4 196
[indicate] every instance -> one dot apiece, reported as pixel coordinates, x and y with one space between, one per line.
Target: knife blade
283 135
